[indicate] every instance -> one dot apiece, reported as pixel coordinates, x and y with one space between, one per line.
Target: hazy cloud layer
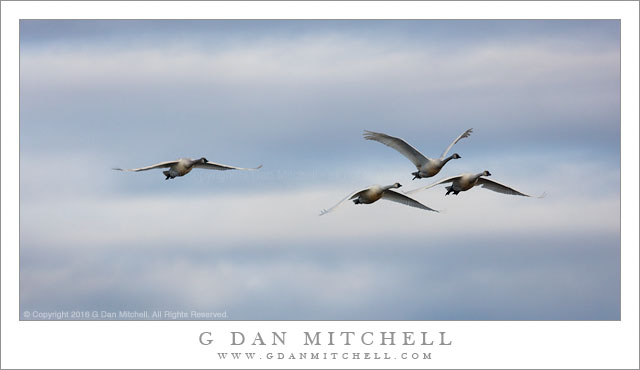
542 96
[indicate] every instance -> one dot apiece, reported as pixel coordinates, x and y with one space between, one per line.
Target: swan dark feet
450 190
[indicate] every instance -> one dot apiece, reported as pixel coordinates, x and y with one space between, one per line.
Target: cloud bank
543 99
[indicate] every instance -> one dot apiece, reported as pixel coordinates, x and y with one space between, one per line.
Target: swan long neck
444 161
392 186
479 175
192 162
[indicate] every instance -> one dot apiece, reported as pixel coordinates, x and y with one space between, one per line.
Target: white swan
427 167
376 192
466 181
183 166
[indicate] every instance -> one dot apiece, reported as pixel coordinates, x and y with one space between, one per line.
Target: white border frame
477 344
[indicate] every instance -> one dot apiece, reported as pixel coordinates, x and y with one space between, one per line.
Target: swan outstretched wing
157 165
500 188
398 144
462 136
403 199
348 197
448 179
221 167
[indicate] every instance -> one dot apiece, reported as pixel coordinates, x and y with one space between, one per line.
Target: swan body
377 192
427 167
183 166
466 181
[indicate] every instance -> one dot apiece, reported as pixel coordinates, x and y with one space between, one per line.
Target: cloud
489 256
536 278
319 62
271 92
544 106
290 215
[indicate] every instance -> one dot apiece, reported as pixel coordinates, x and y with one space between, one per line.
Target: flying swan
466 181
376 192
427 167
183 166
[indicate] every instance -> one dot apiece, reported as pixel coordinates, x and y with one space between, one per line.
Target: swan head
397 185
456 156
203 160
486 173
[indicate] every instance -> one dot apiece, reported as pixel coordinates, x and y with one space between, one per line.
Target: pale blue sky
543 98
